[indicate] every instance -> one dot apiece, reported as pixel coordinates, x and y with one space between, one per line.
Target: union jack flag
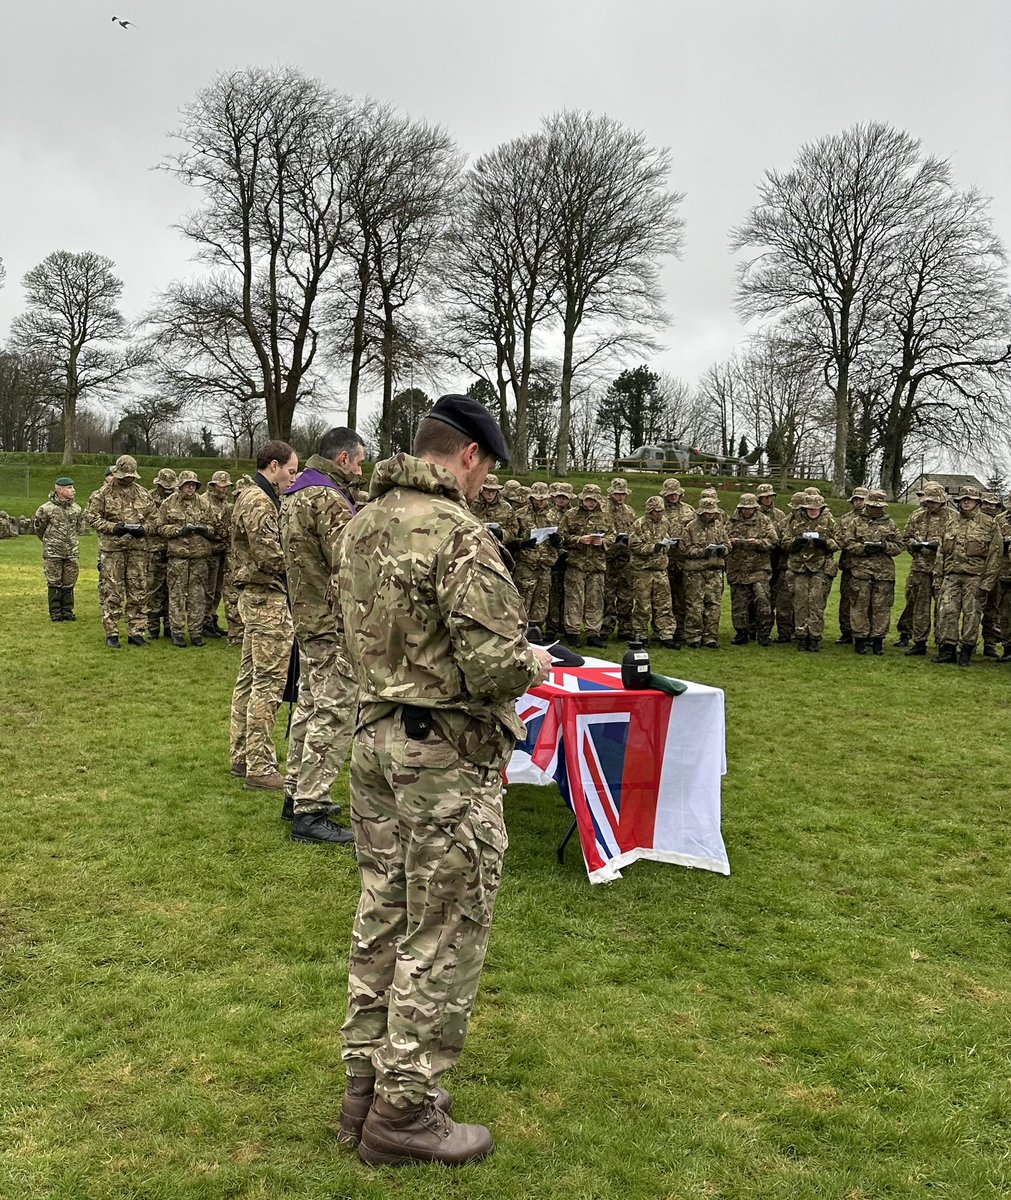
614 755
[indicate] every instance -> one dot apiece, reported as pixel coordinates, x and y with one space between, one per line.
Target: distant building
952 484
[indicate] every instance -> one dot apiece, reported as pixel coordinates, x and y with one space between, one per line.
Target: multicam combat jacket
59 525
500 513
810 558
121 503
257 559
695 537
179 511
925 526
222 518
750 564
972 545
429 613
647 532
579 521
314 511
857 533
622 519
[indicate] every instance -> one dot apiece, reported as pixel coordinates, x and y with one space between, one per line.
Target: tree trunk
358 341
386 428
565 406
69 418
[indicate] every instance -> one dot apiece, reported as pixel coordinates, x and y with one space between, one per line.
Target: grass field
829 1021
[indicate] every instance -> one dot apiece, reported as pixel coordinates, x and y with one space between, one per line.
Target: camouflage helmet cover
672 486
708 504
492 483
619 487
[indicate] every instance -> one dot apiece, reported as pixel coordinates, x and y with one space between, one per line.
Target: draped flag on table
640 769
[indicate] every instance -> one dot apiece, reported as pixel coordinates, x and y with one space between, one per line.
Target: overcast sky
733 87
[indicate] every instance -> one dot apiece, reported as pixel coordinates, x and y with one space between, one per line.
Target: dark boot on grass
803 642
422 1134
814 644
764 639
197 641
288 807
877 645
844 639
860 645
67 604
902 640
55 603
358 1097
597 640
317 827
990 650
178 641
965 655
783 638
741 638
946 654
271 782
136 639
917 650
112 641
1006 656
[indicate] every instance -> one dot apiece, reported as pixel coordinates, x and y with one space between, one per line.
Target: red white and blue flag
640 770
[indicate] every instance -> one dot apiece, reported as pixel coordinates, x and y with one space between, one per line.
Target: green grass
831 1020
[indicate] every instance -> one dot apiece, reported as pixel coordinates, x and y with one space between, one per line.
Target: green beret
64 481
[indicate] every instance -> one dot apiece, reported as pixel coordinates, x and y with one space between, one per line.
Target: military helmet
968 492
748 500
188 477
125 468
591 491
708 504
619 487
655 504
672 486
166 478
222 479
540 491
492 484
765 489
876 498
859 493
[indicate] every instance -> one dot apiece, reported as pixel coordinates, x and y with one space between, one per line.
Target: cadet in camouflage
679 513
496 514
922 536
703 550
157 603
652 605
435 633
970 564
562 495
59 524
122 514
782 601
752 538
619 581
216 496
314 512
191 529
857 500
259 574
535 560
872 542
586 535
810 542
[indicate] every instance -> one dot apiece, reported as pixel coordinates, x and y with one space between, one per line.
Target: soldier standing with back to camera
314 512
259 574
121 513
435 632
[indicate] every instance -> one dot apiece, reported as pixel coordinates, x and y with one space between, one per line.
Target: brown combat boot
422 1134
271 782
358 1097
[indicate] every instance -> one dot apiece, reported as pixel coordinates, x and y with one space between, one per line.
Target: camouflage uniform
218 501
59 525
517 496
679 513
496 514
534 563
432 620
872 542
970 563
922 536
1003 588
7 527
782 603
157 603
258 572
314 512
98 556
562 496
229 592
189 553
703 573
124 555
652 603
749 569
810 567
585 566
619 582
845 562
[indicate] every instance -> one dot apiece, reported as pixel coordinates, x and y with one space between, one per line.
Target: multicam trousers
703 599
752 602
323 724
619 595
921 594
959 610
430 838
61 572
156 602
266 649
810 595
124 580
187 594
871 603
653 605
584 600
846 605
230 595
534 587
215 587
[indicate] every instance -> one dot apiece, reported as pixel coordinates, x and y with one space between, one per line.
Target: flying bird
125 24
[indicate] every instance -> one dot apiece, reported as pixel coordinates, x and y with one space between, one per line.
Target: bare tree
27 408
269 150
720 392
826 233
585 441
611 219
683 414
73 319
144 418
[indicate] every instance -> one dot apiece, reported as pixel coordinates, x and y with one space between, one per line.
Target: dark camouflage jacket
622 517
223 520
499 513
121 503
59 525
810 558
429 613
173 517
314 511
750 564
577 522
695 537
972 545
925 526
646 533
857 533
257 559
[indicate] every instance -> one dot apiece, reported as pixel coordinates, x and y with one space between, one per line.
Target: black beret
473 420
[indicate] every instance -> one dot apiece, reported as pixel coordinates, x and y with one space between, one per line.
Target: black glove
201 529
528 544
821 543
137 531
119 531
799 543
721 549
555 539
872 548
497 531
658 546
622 538
185 531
